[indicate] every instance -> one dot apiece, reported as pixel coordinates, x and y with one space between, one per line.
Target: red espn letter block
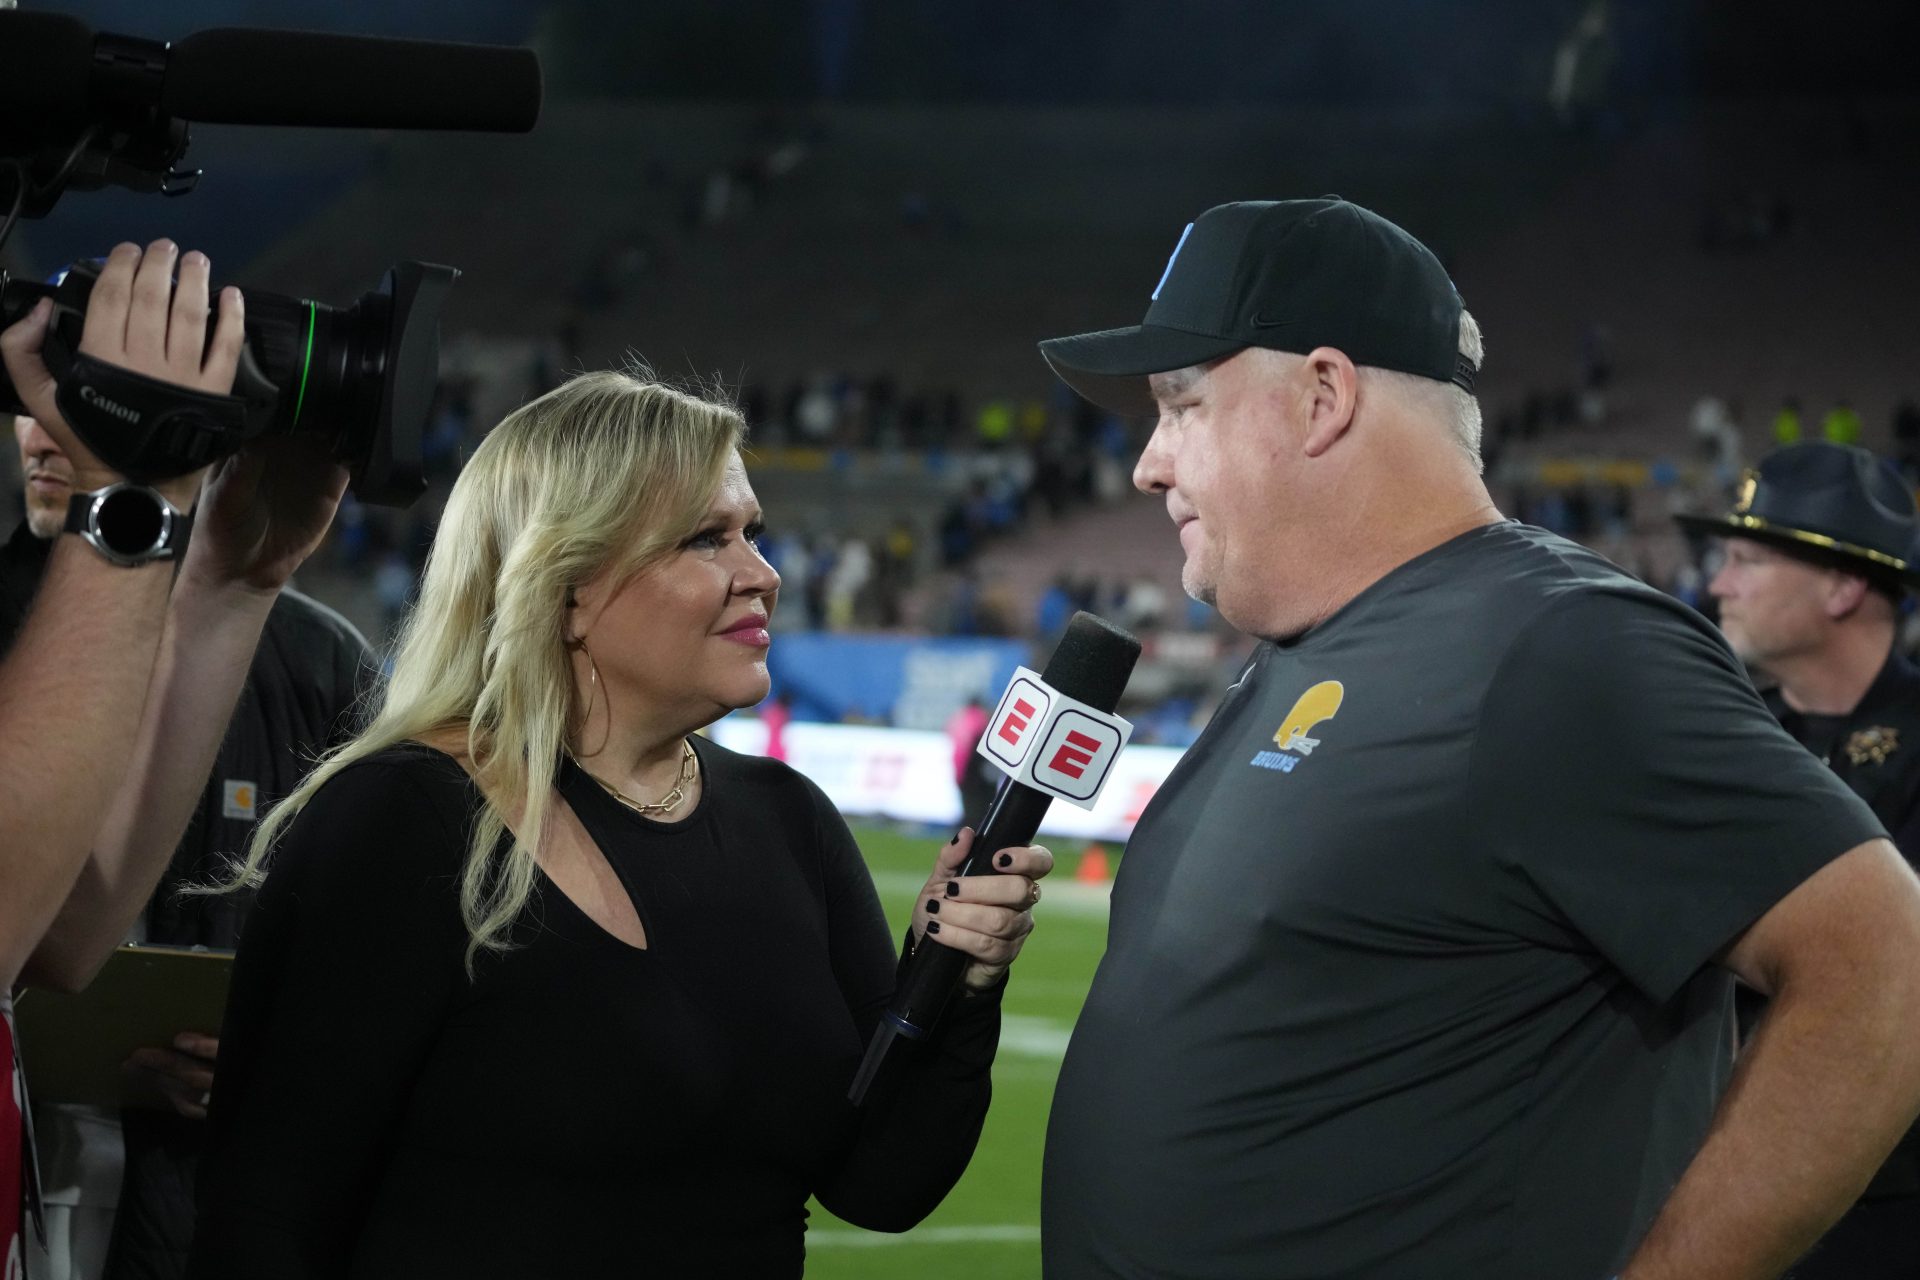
1016 722
1074 755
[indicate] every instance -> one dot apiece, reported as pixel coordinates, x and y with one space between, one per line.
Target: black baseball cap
1834 503
1292 275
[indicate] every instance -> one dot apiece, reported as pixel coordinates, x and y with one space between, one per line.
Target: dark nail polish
954 839
933 926
953 888
933 906
1004 861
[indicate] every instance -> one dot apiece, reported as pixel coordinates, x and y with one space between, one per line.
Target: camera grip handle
143 428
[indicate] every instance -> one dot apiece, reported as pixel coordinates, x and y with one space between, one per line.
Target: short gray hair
1453 405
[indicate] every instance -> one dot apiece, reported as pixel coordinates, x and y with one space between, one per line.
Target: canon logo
118 410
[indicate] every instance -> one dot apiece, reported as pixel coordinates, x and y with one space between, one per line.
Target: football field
989 1225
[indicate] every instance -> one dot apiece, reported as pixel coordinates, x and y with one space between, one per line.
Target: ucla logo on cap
1170 261
1294 737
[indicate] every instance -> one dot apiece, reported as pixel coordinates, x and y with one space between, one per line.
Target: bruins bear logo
1315 705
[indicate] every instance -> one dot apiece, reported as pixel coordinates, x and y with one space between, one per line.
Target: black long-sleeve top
581 1107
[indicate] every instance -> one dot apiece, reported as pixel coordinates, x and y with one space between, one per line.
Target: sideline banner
907 774
914 682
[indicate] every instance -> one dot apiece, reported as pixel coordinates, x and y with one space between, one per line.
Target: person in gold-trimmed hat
1819 552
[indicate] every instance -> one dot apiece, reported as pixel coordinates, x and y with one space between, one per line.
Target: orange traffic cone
1093 866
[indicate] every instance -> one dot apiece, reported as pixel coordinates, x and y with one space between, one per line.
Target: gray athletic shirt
1408 973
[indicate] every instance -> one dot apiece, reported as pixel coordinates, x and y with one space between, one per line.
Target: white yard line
1032 1037
987 1233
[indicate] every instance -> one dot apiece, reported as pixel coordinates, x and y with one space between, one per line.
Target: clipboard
72 1045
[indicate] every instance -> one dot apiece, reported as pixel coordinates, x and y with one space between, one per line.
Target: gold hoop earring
593 683
593 668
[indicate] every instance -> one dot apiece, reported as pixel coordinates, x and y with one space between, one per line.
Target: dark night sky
1114 50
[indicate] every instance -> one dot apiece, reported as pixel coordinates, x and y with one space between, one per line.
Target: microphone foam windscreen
236 75
1093 661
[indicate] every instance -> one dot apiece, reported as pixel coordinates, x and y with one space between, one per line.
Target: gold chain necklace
665 804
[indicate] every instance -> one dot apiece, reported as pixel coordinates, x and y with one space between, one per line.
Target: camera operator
93 806
125 1179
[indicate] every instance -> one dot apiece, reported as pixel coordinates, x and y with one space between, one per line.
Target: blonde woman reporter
540 984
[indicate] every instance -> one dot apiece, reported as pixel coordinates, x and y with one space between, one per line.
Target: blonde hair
610 471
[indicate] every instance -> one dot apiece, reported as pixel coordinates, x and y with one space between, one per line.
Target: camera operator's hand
137 318
265 510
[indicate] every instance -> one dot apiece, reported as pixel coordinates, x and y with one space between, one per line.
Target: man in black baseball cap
1419 964
1818 555
1289 275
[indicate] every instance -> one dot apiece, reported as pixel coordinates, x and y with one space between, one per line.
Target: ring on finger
1033 892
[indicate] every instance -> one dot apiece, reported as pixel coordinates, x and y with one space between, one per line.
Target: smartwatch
130 524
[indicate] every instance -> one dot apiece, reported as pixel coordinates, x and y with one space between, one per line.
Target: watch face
130 521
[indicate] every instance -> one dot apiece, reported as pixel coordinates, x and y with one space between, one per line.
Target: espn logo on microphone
1011 731
1053 743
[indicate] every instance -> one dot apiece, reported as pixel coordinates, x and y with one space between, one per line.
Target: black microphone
55 69
237 75
1091 665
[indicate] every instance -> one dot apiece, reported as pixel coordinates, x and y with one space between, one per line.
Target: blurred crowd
1006 463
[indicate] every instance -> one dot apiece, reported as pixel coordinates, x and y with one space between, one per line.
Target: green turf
989 1225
